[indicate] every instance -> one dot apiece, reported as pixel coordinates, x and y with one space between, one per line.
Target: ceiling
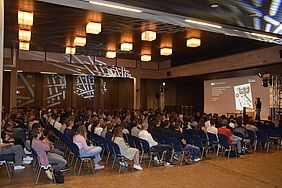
55 27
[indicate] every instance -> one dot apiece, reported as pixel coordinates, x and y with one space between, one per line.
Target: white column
1 54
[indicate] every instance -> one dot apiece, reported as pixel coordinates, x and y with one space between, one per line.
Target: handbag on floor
59 177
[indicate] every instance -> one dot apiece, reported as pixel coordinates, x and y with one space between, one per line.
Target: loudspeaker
244 115
280 52
168 73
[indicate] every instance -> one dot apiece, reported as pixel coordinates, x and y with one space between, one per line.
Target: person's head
145 126
36 133
224 122
212 122
69 124
81 130
258 98
118 132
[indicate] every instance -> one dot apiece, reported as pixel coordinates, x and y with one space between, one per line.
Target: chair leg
150 160
80 167
75 165
37 176
108 158
218 148
114 160
8 170
92 165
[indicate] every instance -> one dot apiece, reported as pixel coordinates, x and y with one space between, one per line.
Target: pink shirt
80 142
40 148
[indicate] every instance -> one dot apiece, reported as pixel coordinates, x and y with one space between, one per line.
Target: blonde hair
82 131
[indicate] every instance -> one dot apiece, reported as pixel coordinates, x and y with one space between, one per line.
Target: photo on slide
243 96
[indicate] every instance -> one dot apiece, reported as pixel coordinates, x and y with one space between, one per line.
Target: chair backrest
251 134
203 135
74 148
238 134
176 144
116 150
223 140
131 141
262 136
197 140
188 138
158 137
167 140
109 135
213 138
145 145
137 142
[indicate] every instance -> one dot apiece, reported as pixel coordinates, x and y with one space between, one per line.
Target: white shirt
212 129
58 125
98 130
147 136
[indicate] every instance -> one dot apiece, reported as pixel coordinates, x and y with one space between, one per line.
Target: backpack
59 177
233 153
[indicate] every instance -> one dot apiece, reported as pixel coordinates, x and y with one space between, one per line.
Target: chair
262 138
39 167
117 157
253 137
109 135
214 141
223 141
177 147
8 161
74 148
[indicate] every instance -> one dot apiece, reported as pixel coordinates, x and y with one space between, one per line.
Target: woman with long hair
84 150
125 150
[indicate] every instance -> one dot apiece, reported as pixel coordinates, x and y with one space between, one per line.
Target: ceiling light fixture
24 46
166 51
193 42
79 41
126 46
114 6
148 35
111 54
214 5
265 36
48 72
24 35
203 23
70 50
146 58
25 18
93 28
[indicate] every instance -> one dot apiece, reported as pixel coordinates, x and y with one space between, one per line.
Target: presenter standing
258 104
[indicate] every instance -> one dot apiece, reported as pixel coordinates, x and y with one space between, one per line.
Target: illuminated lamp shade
193 42
146 58
25 18
148 36
166 51
24 35
70 50
110 54
93 28
79 41
24 46
126 46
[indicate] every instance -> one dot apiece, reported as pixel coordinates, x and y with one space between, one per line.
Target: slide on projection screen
230 95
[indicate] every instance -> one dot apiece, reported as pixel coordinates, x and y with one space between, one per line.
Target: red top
226 132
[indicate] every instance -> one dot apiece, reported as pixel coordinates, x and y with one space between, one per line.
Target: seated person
155 147
232 139
86 151
42 148
126 151
69 132
20 156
